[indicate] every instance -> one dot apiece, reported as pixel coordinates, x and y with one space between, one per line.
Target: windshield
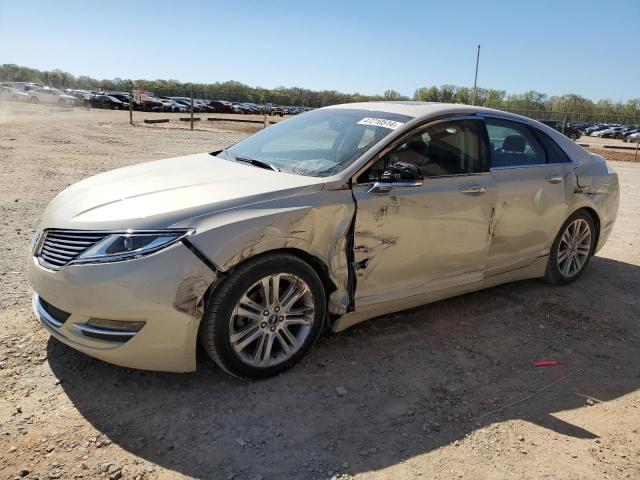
318 143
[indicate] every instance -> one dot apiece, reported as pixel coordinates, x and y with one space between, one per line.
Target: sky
556 47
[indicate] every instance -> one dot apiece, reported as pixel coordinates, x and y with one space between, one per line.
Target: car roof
423 109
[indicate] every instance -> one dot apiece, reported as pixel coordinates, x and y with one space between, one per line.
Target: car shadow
415 381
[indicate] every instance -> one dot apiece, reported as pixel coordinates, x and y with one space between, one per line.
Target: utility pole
191 109
475 81
131 104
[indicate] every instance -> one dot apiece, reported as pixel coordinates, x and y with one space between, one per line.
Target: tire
574 263
573 136
259 349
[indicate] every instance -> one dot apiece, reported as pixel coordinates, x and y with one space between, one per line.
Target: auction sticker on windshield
380 122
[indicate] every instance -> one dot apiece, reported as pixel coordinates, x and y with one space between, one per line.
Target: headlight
126 246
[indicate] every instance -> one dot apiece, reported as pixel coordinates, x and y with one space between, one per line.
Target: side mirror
400 172
398 175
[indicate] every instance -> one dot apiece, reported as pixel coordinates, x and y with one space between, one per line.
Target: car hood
162 193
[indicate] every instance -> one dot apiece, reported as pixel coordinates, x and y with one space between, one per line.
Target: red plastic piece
547 363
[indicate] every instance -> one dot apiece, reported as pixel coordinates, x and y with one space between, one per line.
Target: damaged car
327 219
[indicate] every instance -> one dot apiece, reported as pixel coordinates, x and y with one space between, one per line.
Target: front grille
60 247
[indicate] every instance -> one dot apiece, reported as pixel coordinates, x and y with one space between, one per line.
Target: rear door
420 236
534 184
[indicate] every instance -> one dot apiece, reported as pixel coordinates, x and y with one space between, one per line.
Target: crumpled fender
315 222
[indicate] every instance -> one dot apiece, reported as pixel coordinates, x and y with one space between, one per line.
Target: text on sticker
380 122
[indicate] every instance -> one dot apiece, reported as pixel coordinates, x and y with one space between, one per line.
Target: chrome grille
60 247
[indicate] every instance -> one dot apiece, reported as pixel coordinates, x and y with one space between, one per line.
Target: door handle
554 178
474 189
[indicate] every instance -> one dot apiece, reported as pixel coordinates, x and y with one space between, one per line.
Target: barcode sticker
380 122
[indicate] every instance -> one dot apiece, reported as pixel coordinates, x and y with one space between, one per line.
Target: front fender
317 223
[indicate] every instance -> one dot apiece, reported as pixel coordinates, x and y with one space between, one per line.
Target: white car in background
172 105
633 138
52 95
13 95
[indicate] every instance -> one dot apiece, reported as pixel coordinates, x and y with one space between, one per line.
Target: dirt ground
417 388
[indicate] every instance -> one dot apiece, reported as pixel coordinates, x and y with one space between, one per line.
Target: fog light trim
119 325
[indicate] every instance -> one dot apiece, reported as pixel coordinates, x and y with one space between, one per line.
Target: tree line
570 107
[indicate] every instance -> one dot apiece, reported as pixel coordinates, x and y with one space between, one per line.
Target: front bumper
164 289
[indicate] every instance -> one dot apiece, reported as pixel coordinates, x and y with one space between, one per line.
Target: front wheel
264 317
572 249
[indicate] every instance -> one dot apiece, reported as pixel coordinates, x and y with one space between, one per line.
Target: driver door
414 236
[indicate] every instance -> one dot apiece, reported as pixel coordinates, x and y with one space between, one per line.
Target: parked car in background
13 95
107 101
171 105
633 138
187 104
23 86
151 105
572 133
610 132
625 136
253 249
52 95
221 106
594 128
277 110
203 105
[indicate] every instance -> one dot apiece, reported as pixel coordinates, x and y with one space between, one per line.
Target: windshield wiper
258 163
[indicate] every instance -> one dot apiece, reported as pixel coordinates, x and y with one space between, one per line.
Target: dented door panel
530 209
418 239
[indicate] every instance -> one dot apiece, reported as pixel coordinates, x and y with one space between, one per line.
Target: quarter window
555 154
446 148
513 144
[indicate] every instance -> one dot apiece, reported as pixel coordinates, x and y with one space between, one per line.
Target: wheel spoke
245 301
287 294
300 291
265 285
563 255
275 288
289 322
241 311
288 341
262 355
583 249
247 339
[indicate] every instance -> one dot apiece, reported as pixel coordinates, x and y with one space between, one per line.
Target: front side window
513 144
318 143
443 149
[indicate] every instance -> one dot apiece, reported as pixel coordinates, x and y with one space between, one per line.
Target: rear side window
555 154
513 144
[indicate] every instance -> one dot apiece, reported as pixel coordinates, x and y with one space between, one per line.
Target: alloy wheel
272 320
574 248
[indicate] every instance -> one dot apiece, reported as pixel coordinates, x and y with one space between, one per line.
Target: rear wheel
572 249
264 317
573 136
